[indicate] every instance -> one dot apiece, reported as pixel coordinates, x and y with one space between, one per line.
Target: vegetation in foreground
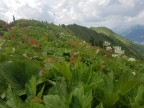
45 66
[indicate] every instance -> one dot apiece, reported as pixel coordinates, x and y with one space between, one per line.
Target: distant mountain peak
133 33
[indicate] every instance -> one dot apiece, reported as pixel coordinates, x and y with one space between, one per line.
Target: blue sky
109 13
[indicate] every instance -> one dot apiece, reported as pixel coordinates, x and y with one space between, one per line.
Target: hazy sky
110 13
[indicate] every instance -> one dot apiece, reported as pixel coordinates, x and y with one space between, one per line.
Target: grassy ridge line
96 36
133 48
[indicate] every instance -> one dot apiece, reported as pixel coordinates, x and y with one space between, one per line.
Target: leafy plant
18 73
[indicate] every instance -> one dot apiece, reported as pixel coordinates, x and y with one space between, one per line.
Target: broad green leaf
39 95
125 83
111 95
3 104
81 99
36 105
64 69
138 98
110 98
108 82
18 73
13 100
60 88
31 87
54 101
100 105
128 86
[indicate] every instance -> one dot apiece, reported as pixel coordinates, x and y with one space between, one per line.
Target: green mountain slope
111 34
130 47
47 66
97 35
134 33
87 34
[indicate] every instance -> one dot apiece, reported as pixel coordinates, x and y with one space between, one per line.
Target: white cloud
138 19
108 13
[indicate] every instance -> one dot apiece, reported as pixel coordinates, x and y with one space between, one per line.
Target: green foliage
81 99
54 101
63 68
47 66
100 106
129 47
17 74
13 100
31 88
137 102
3 27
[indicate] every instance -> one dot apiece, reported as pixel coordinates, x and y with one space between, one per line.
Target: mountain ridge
94 35
102 34
134 33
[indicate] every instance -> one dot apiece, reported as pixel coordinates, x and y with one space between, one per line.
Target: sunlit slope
133 48
97 35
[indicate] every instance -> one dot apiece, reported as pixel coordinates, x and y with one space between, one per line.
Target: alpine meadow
43 65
